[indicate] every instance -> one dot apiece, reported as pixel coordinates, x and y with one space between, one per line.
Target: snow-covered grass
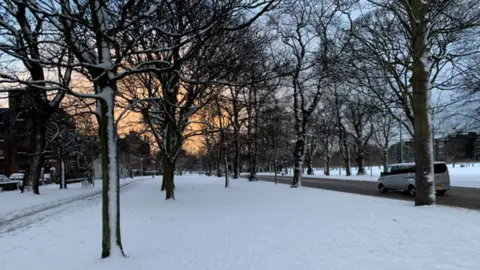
11 201
253 225
460 177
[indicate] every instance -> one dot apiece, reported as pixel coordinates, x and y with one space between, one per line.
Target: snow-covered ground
252 225
460 177
13 201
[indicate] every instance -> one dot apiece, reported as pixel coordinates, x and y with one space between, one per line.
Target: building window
1 152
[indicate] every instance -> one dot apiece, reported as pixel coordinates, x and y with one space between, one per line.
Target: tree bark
424 178
40 109
346 159
345 151
308 159
236 134
111 235
253 173
361 161
299 157
36 160
327 166
168 179
385 160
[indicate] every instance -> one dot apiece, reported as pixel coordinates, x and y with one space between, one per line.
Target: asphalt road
457 196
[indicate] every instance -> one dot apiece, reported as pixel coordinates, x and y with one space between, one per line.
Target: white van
401 177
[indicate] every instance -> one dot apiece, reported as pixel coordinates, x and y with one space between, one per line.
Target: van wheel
441 192
382 189
411 190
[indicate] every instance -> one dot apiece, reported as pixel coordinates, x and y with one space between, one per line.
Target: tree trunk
327 166
424 178
385 160
166 171
252 161
36 160
360 161
348 171
309 167
164 183
236 160
111 236
227 181
168 179
299 157
236 134
308 159
345 151
275 157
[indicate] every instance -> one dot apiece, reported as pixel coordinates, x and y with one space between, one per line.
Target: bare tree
326 131
312 31
413 42
63 139
383 134
339 105
359 114
96 36
223 141
24 44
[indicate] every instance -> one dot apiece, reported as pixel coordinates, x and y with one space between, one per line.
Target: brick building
15 146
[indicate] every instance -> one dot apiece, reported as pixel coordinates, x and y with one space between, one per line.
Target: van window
406 169
394 170
440 168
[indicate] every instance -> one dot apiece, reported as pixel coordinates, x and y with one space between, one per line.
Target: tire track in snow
38 214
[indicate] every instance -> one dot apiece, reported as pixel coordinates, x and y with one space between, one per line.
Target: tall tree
24 44
97 36
312 32
62 138
326 133
358 115
384 132
420 46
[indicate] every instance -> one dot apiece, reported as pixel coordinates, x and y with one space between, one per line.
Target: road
38 214
457 196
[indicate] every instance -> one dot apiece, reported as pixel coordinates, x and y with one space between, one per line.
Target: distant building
456 147
133 153
395 152
16 142
462 147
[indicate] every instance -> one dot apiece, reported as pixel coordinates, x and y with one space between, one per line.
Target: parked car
401 177
3 178
8 184
17 176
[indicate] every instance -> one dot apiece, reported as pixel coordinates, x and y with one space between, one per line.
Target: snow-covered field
460 177
252 225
